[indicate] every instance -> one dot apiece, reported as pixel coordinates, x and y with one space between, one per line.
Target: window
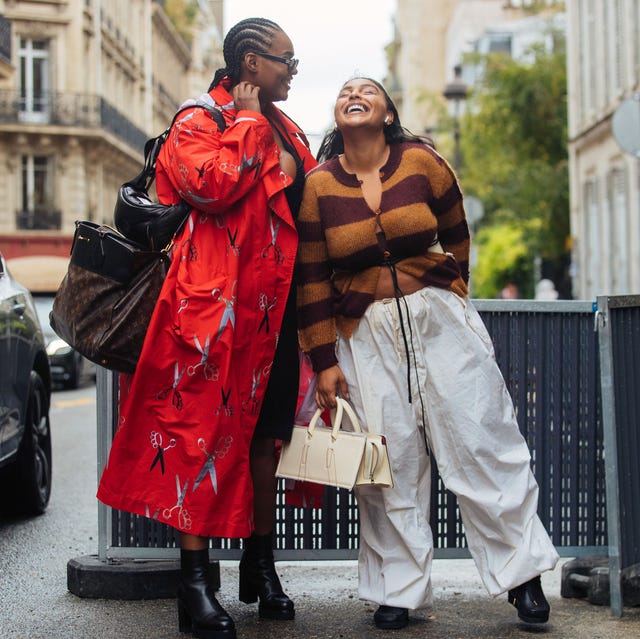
591 244
33 78
618 207
37 210
500 43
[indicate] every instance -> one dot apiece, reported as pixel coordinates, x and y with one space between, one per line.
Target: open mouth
355 108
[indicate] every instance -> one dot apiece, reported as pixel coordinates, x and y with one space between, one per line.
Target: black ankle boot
258 579
198 609
530 601
391 618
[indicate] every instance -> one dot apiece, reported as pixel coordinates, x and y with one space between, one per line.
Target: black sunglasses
292 63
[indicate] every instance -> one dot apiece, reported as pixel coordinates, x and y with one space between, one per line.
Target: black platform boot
530 601
390 617
198 609
258 579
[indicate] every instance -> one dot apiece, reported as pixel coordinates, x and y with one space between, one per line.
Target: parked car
25 396
68 367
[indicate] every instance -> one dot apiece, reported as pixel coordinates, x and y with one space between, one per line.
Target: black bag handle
145 178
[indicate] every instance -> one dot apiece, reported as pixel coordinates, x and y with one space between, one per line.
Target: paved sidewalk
327 607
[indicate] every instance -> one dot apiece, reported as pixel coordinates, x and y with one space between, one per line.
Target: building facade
83 84
604 70
431 38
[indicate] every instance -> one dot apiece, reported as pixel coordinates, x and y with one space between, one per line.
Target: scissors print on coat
251 403
184 519
176 397
209 371
156 442
225 406
233 247
265 306
277 253
229 315
209 467
148 515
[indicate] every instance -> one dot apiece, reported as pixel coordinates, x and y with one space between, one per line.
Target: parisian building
604 74
83 84
431 38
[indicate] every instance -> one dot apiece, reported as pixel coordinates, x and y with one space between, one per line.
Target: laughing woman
385 318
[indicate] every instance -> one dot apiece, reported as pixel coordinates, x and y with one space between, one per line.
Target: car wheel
32 468
75 373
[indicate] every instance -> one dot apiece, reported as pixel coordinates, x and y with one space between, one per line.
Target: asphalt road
35 602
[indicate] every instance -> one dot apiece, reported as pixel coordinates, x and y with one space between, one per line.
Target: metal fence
548 353
618 321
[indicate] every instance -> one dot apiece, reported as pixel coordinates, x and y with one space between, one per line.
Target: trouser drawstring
397 294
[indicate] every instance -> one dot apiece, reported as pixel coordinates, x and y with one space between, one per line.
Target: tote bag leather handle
342 406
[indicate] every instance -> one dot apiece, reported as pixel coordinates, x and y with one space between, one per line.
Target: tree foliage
182 14
514 143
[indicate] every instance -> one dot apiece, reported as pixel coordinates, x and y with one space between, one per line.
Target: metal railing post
603 326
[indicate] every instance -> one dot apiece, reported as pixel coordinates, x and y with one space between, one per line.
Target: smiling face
273 76
361 103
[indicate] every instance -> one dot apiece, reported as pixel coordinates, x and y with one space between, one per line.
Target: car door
12 307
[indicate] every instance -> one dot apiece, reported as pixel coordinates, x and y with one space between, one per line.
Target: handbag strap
152 146
346 408
342 406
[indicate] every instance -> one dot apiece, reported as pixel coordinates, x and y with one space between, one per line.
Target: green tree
182 14
514 143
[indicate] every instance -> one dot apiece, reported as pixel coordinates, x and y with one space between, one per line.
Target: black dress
281 396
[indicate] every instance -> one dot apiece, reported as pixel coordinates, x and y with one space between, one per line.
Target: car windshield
44 304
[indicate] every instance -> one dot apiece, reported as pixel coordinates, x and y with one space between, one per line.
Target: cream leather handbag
334 456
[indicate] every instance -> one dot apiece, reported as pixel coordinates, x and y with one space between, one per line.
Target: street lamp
455 93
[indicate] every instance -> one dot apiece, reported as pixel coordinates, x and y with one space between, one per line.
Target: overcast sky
334 40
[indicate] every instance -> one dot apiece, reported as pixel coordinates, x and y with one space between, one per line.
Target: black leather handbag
106 299
136 215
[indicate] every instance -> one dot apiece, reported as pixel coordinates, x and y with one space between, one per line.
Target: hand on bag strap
342 406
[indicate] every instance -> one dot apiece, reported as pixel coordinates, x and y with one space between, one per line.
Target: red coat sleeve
212 170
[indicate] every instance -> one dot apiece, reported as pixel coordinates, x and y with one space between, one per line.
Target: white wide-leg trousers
459 394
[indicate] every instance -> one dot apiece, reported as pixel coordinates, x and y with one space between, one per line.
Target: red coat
181 452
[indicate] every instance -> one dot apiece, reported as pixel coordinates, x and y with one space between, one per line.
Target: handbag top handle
342 406
152 146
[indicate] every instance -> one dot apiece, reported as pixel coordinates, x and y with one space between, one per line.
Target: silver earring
387 120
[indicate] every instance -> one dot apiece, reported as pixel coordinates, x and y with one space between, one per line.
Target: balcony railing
73 110
39 220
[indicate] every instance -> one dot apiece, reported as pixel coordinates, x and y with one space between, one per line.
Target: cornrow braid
252 34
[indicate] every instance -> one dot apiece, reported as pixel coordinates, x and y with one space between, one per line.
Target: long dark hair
252 34
333 144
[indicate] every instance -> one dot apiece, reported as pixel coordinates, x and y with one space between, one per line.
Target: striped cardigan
339 257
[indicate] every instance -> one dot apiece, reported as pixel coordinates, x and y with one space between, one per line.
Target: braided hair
252 34
333 144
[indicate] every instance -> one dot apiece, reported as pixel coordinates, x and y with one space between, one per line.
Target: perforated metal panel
548 353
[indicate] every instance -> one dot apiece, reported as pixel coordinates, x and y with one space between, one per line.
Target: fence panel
548 353
619 327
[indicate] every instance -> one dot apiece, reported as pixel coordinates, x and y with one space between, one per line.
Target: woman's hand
329 383
245 97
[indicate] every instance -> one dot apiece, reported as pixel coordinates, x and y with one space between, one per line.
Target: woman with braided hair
217 379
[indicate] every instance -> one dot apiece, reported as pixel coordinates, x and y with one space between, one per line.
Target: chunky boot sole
391 622
529 600
249 595
265 612
185 624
